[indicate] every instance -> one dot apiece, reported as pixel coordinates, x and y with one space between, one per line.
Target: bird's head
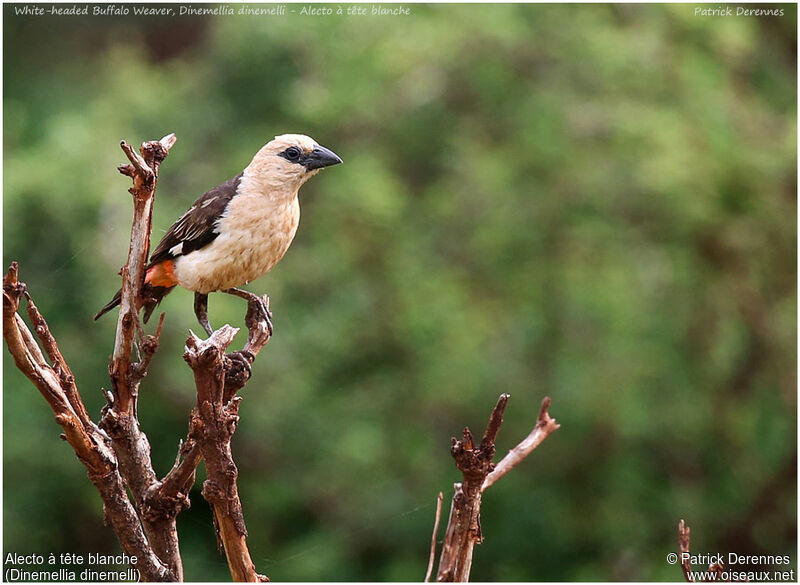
290 160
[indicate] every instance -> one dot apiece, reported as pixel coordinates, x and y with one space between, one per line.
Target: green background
595 203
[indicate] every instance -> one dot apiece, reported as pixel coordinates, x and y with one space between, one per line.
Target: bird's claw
257 311
238 369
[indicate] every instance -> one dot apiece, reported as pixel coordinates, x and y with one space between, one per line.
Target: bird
235 232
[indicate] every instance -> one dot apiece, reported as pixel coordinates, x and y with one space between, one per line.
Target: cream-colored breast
254 233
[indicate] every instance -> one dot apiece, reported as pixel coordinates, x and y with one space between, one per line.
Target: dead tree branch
120 417
479 473
217 419
544 426
684 540
684 537
432 557
92 446
144 172
463 527
237 373
161 501
116 452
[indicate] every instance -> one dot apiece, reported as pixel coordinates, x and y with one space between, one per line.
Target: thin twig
432 557
180 479
684 537
495 421
149 347
57 359
544 426
715 570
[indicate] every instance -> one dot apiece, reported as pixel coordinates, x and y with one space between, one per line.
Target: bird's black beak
321 157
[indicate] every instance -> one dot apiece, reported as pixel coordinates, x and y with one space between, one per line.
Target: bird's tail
111 304
150 299
159 279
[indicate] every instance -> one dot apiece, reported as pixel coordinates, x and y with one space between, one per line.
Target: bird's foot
257 312
237 371
257 309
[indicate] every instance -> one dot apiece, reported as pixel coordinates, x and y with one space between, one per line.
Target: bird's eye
293 153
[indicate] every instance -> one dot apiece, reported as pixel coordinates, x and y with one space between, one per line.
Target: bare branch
59 363
120 417
168 142
179 480
544 426
137 161
127 170
30 343
149 347
495 421
218 421
144 172
90 444
684 536
432 557
684 540
117 453
464 526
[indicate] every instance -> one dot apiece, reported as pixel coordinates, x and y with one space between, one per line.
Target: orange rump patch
162 274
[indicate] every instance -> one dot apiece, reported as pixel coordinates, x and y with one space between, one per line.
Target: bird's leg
259 324
256 309
201 310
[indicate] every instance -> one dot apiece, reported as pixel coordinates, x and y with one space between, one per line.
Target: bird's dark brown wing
197 227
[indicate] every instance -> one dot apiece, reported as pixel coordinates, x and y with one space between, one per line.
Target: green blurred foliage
592 202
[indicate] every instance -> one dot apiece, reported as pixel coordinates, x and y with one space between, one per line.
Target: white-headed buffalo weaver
237 231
